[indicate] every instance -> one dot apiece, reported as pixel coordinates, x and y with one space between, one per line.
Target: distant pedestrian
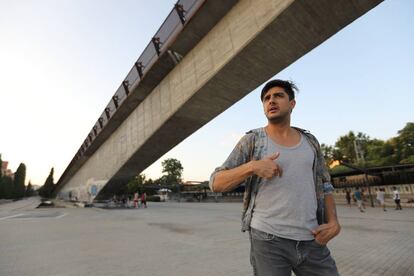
128 202
115 200
381 198
136 200
348 197
363 198
124 201
358 198
144 200
397 198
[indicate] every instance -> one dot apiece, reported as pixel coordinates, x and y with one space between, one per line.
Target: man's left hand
326 232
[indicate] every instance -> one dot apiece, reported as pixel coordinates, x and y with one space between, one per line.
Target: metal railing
176 20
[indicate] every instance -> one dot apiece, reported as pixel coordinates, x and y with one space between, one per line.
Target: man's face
277 106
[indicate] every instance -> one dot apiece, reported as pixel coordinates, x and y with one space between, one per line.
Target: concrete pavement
181 239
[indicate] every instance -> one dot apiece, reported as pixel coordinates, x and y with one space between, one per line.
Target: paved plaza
180 239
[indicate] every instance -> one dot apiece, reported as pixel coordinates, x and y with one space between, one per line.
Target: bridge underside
284 31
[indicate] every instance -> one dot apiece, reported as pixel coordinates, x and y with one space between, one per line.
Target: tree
372 152
7 187
18 183
1 186
174 170
328 153
47 189
1 165
348 145
29 190
136 184
378 153
149 182
345 146
405 143
162 181
1 180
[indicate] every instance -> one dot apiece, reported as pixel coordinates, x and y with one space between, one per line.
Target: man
381 198
358 198
288 204
136 196
144 199
397 198
363 198
348 197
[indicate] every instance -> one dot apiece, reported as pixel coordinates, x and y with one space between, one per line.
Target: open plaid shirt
251 147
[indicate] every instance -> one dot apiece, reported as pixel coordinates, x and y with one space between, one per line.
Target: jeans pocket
317 244
260 235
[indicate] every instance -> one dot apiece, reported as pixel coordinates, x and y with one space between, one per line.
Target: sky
61 62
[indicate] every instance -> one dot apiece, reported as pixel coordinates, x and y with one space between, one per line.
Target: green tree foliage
345 147
1 180
1 187
174 170
29 190
149 182
13 188
375 152
7 182
405 141
47 189
19 179
162 181
327 153
348 145
378 153
136 184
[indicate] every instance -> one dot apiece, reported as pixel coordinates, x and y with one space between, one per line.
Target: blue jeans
272 255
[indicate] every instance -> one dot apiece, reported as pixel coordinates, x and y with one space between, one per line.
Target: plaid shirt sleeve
239 156
326 177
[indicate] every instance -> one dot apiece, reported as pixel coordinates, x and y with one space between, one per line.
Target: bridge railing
171 27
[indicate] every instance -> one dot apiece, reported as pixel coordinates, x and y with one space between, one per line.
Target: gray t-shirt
286 206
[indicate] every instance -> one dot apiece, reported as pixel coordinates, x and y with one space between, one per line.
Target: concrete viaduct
206 56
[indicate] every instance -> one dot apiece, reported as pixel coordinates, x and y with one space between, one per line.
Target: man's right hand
227 180
267 167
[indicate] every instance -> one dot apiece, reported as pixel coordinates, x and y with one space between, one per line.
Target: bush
153 198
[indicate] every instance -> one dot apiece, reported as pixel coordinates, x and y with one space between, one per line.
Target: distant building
5 171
